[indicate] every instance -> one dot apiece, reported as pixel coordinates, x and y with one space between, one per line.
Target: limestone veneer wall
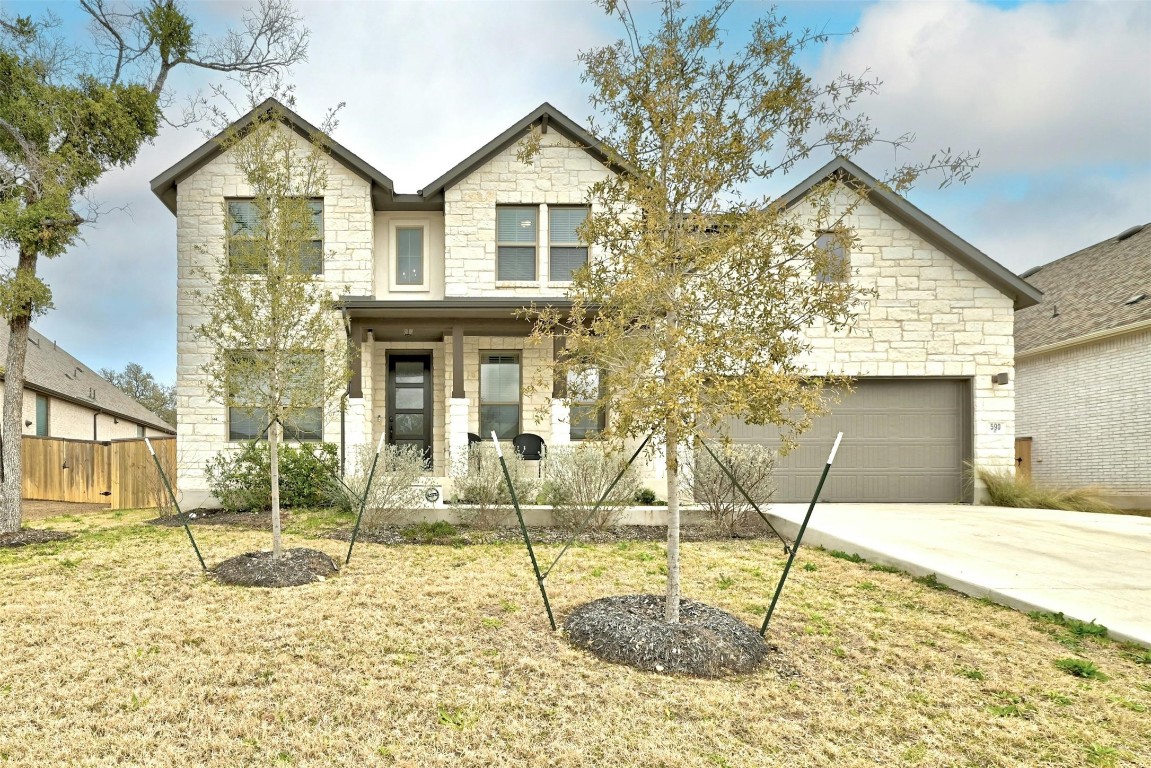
931 317
200 231
1087 409
560 174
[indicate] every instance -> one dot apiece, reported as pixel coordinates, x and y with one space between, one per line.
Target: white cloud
1033 86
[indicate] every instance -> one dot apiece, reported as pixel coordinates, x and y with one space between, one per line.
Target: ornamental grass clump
1004 489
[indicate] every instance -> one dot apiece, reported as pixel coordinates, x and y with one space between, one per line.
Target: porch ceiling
432 320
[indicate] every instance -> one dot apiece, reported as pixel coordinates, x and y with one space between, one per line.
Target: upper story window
42 415
517 230
567 254
409 255
246 238
833 263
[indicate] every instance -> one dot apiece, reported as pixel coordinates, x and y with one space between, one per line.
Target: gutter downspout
95 415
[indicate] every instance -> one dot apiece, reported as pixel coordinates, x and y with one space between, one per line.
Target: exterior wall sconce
27 423
1000 378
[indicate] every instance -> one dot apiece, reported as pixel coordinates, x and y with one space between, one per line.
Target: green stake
364 500
524 530
799 536
176 504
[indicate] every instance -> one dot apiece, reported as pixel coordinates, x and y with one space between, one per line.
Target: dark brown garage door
904 440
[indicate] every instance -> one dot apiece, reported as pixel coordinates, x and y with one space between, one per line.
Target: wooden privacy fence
120 472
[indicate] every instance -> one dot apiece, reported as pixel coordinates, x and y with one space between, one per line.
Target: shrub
242 480
710 486
644 496
484 488
577 475
1004 489
395 487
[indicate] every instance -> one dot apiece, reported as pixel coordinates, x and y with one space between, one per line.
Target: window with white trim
565 250
517 228
409 255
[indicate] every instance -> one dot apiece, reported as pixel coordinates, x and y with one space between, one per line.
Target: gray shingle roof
1087 292
51 370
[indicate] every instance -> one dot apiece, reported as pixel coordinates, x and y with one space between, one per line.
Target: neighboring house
65 398
434 280
1083 370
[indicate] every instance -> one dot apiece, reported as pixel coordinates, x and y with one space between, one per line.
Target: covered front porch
431 373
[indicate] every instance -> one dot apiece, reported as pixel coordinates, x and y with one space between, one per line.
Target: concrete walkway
1089 567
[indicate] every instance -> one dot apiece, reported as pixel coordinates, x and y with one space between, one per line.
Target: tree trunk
12 488
274 461
671 605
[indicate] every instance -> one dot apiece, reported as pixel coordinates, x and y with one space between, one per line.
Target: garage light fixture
1000 378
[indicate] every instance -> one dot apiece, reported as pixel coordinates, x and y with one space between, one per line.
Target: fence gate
119 473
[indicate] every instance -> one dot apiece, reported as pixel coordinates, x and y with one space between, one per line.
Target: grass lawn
114 650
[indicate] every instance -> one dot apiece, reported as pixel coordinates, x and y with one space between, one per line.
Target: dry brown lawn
117 651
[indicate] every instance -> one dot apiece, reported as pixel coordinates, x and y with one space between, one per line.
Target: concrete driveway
1089 567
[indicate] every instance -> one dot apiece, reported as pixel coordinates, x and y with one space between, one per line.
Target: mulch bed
630 629
257 521
258 569
26 536
539 535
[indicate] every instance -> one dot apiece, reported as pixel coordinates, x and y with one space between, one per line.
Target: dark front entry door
410 402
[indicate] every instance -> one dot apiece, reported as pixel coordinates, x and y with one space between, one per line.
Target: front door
410 402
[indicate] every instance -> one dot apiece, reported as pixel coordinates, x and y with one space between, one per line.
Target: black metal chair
530 446
474 439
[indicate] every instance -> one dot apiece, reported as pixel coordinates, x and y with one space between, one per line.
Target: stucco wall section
1087 410
200 230
930 317
560 174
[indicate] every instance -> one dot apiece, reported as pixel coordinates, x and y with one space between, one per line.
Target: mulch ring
707 642
258 569
257 521
26 536
462 535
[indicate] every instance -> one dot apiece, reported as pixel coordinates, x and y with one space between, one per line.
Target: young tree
696 308
280 354
142 387
67 116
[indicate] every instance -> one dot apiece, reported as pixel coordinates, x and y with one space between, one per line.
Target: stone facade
200 229
560 175
930 317
1085 404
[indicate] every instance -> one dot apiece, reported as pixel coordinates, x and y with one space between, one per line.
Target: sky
1056 97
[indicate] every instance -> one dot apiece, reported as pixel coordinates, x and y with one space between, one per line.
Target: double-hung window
567 254
248 240
517 230
248 419
500 394
833 264
585 416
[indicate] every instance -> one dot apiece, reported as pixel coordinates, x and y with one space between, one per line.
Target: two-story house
432 282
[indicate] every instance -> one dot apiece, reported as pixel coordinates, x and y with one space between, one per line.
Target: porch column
561 421
367 376
355 417
457 410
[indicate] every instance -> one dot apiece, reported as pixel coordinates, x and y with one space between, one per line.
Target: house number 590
996 426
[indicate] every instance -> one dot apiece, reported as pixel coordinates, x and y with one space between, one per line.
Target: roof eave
164 185
554 120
